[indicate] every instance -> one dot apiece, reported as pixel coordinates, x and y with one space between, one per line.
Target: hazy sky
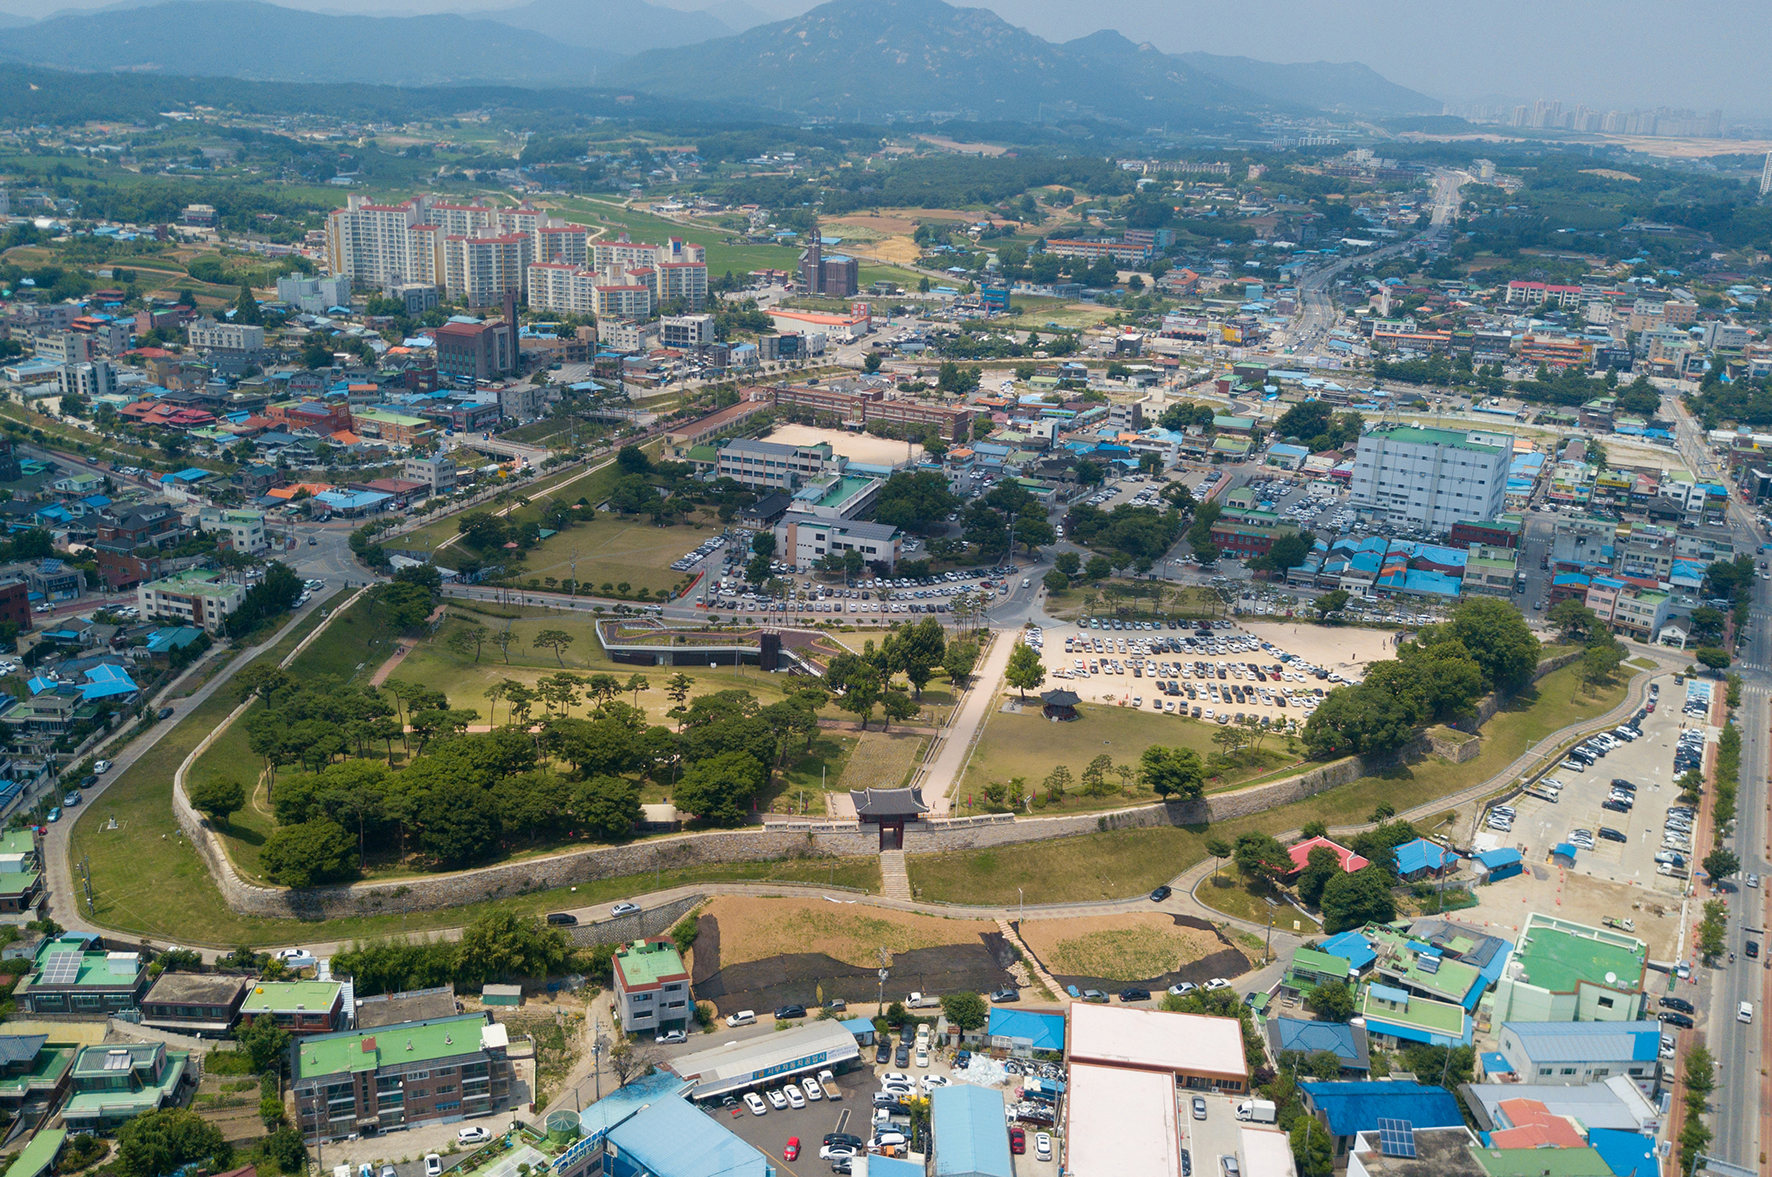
1605 53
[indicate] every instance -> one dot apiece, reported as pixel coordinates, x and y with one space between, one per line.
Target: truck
1259 1111
828 1081
922 1001
1621 925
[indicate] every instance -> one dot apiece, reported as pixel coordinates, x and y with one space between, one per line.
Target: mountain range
845 58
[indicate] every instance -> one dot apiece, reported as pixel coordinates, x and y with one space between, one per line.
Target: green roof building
1562 971
652 987
408 1073
38 1155
70 976
32 1073
301 1007
116 1082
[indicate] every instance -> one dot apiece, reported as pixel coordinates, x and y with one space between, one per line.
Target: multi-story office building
468 350
773 465
393 1076
436 472
245 530
686 331
90 379
804 539
210 335
1433 478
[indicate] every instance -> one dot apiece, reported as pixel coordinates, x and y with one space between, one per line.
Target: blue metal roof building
1580 1052
970 1140
1045 1031
1351 1108
1346 1042
671 1138
1627 1154
1421 856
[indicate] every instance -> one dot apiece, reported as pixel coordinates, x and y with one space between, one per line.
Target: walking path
940 777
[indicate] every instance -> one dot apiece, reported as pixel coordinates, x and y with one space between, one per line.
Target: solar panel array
62 968
1428 964
1396 1138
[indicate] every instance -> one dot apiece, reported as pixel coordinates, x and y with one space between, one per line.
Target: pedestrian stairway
894 882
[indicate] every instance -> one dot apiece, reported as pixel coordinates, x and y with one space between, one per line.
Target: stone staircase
1033 964
894 882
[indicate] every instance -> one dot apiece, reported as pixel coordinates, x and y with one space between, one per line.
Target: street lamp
1267 948
880 1009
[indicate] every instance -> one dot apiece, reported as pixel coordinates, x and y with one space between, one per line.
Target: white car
755 1102
102 767
670 1037
1217 983
296 958
433 1165
622 909
811 1087
931 1082
794 1098
899 1078
777 1100
1042 1146
472 1136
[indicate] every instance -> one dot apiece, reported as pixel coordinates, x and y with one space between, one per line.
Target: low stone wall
654 921
776 840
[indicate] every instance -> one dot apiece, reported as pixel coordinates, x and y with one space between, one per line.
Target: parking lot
1616 837
854 1113
1204 670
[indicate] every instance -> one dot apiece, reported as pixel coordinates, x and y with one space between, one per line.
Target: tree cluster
1485 645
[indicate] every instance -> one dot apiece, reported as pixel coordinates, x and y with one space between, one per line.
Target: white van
744 1017
1745 1012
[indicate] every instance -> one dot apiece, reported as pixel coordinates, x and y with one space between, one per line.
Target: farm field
1131 947
883 760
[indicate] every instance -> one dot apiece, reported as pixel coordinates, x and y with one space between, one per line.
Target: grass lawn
610 550
884 760
1038 312
1119 863
1030 746
1227 892
872 272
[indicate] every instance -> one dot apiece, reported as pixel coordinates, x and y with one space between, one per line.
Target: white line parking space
1620 814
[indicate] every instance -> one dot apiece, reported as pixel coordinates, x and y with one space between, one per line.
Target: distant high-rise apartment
1766 175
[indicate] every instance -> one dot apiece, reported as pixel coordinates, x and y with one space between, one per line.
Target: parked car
670 1037
433 1165
1161 893
622 909
1018 1140
1132 993
562 919
776 1099
755 1102
1675 1019
787 1012
1042 1146
1199 1106
792 1151
472 1136
1004 995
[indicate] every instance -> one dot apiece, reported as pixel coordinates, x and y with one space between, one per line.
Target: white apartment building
1432 478
245 529
64 347
686 331
314 295
210 335
481 269
94 378
469 249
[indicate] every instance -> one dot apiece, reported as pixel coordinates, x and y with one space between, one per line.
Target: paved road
63 894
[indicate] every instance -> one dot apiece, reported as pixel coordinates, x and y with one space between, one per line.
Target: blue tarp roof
1351 947
1046 1031
969 1136
1627 1154
1357 1107
1495 1063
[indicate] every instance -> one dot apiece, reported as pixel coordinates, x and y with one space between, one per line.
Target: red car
1018 1141
792 1151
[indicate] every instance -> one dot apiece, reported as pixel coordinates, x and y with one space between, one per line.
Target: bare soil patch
1127 947
755 929
740 963
1155 950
